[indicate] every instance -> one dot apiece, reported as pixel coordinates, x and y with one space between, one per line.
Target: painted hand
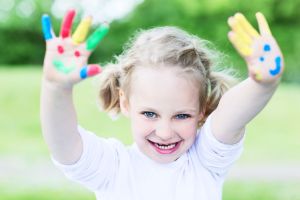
260 51
66 56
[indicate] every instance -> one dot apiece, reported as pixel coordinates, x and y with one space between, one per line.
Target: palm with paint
260 51
66 56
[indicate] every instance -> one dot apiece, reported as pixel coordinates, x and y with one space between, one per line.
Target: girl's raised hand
260 50
66 56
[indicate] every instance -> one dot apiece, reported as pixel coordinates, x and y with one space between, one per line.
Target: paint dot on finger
93 70
60 49
83 72
77 53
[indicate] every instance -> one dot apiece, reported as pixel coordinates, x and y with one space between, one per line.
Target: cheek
187 129
141 127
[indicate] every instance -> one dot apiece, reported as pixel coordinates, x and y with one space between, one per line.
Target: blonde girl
187 125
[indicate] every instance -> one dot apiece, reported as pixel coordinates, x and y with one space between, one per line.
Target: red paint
77 53
60 49
67 24
93 70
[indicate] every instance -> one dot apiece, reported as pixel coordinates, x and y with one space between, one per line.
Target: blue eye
182 116
150 115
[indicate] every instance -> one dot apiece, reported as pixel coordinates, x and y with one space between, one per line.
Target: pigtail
217 84
109 89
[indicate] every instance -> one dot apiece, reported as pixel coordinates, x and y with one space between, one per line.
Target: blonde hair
167 46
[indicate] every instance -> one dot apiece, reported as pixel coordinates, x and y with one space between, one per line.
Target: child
187 131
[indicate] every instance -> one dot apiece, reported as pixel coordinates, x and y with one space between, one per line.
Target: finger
97 36
240 46
82 30
239 31
90 70
47 27
246 25
256 73
66 25
263 24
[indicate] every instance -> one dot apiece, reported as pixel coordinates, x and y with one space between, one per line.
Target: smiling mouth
59 65
165 148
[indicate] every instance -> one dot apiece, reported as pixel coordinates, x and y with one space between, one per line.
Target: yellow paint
258 74
240 45
82 30
246 25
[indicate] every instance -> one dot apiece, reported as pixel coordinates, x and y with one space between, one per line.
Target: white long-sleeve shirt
114 171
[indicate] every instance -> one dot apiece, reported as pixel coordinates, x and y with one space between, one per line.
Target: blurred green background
270 165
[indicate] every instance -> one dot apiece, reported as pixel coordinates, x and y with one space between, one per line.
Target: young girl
187 131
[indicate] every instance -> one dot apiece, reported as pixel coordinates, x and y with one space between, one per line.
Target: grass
232 191
63 193
261 190
272 137
274 134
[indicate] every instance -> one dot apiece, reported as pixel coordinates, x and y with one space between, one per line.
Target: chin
164 159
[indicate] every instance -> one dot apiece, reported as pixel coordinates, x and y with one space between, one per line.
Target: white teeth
169 146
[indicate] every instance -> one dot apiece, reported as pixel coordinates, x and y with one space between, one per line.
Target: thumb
84 72
89 71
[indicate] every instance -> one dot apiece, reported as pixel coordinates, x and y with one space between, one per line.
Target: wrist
266 85
274 81
56 87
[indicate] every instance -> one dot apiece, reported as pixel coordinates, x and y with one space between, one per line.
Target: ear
124 103
201 115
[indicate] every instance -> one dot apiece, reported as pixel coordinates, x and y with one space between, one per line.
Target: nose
164 130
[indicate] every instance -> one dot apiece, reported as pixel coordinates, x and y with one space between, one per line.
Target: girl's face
164 111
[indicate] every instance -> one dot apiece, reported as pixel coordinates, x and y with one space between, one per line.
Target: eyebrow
187 111
149 109
176 112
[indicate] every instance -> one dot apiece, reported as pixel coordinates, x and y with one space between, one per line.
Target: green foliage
250 190
39 193
23 41
207 19
21 46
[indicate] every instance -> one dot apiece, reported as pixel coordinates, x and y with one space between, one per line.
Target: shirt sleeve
215 156
98 163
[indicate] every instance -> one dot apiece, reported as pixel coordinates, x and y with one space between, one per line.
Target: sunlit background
270 165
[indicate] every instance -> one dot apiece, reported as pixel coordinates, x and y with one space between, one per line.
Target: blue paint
83 72
46 25
267 47
261 59
277 69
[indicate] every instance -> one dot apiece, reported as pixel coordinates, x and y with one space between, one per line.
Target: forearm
59 123
238 107
65 64
265 65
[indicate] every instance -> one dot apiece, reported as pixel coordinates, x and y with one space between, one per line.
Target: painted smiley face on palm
260 51
266 61
70 53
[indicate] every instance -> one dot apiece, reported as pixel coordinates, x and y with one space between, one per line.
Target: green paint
97 36
61 67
